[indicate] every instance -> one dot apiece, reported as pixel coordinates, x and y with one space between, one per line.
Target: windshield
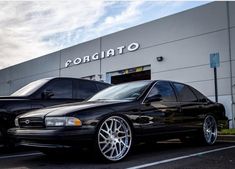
30 88
126 91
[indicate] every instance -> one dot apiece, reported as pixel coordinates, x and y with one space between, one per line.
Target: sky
30 29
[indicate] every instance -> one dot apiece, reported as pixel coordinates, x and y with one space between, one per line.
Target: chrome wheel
210 130
114 138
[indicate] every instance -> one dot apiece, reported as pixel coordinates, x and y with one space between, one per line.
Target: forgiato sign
103 54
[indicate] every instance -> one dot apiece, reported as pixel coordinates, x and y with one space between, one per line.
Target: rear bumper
54 137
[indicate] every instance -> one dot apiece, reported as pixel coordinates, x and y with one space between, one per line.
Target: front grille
31 122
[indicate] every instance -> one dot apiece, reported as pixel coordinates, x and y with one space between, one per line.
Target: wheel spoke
111 126
103 136
115 125
105 132
111 155
116 150
106 125
120 126
209 137
120 147
106 145
108 150
125 136
122 132
124 144
103 142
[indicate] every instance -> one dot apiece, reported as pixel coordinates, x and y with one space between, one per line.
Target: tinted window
125 91
184 93
30 88
165 90
101 86
85 89
62 89
201 97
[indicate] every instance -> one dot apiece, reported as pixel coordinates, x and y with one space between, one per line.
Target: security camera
159 58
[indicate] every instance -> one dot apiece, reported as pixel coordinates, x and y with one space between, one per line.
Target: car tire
209 130
113 139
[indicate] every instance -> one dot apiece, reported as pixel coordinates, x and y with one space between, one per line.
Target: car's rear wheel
114 138
209 131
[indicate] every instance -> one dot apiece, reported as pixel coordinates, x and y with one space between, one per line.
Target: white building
184 41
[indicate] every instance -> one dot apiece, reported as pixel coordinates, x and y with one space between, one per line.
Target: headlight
62 121
17 122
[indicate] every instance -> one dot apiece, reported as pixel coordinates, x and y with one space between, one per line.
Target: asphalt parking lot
163 155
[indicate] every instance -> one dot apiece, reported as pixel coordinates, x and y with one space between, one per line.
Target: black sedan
43 93
115 118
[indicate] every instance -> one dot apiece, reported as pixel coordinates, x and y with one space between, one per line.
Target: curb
230 138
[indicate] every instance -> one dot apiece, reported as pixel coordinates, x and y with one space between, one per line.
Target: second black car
43 93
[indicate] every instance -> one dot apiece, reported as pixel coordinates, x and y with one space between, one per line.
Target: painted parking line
20 155
180 158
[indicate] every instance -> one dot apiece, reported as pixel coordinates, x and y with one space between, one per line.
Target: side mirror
47 94
205 101
154 98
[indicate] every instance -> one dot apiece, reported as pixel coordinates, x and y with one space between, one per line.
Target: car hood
9 98
5 101
65 109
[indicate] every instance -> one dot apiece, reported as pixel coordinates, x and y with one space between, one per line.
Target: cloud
29 29
128 13
24 26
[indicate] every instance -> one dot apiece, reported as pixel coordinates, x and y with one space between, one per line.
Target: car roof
152 81
52 78
171 81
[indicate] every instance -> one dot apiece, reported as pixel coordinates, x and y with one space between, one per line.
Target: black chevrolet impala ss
114 118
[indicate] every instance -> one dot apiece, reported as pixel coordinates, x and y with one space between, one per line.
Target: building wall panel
201 20
5 75
36 66
232 37
194 74
4 89
17 84
232 13
188 53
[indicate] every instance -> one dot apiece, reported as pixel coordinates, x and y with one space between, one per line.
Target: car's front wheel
114 138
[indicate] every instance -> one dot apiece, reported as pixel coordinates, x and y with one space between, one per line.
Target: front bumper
53 137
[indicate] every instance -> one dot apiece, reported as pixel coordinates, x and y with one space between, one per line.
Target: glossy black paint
12 106
148 119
